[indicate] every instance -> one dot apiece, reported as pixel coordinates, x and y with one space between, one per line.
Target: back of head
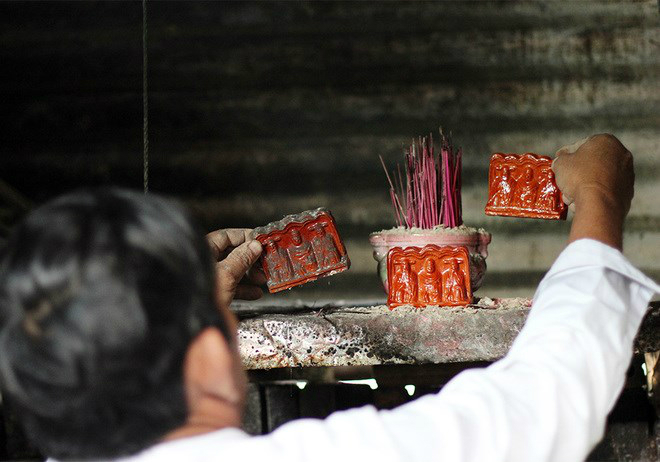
101 292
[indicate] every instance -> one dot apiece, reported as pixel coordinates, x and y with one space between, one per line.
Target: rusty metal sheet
354 336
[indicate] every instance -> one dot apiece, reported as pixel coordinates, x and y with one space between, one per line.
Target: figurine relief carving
277 261
525 196
429 283
430 275
455 285
550 196
523 186
404 283
301 248
503 186
301 254
324 246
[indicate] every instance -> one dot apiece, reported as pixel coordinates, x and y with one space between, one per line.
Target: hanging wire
145 102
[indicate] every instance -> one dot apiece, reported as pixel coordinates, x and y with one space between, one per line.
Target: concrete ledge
365 336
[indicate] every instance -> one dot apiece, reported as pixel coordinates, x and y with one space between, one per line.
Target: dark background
260 109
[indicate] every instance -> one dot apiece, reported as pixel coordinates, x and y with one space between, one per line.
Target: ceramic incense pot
432 275
474 240
523 186
301 248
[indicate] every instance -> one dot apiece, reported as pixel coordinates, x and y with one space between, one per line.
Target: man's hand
236 254
596 177
599 165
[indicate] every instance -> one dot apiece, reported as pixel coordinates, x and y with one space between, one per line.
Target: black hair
101 293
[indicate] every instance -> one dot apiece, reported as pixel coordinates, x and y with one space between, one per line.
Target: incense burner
432 275
301 248
474 240
523 186
426 199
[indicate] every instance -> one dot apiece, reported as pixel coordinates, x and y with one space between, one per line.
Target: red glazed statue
430 275
523 186
301 248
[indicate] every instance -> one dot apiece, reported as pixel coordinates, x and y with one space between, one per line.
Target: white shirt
547 400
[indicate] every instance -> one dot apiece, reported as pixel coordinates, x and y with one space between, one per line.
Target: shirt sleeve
546 400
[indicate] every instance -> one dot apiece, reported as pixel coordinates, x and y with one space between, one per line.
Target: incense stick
431 193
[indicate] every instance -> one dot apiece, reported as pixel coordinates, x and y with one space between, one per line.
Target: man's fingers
247 292
561 162
225 239
239 261
571 148
233 268
256 275
561 168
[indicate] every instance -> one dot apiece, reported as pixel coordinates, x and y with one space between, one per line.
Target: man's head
102 294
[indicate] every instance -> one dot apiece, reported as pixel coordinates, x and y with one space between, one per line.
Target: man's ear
209 370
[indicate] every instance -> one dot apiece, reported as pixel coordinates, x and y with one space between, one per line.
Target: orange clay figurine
523 186
301 248
430 275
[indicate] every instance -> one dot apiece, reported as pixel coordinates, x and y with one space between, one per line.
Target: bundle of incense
428 193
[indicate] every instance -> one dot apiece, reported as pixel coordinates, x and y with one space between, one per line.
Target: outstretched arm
548 399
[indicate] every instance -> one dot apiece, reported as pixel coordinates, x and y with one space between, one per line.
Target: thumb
232 269
561 166
571 148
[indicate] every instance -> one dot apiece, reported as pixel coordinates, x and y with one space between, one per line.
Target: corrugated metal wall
263 109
